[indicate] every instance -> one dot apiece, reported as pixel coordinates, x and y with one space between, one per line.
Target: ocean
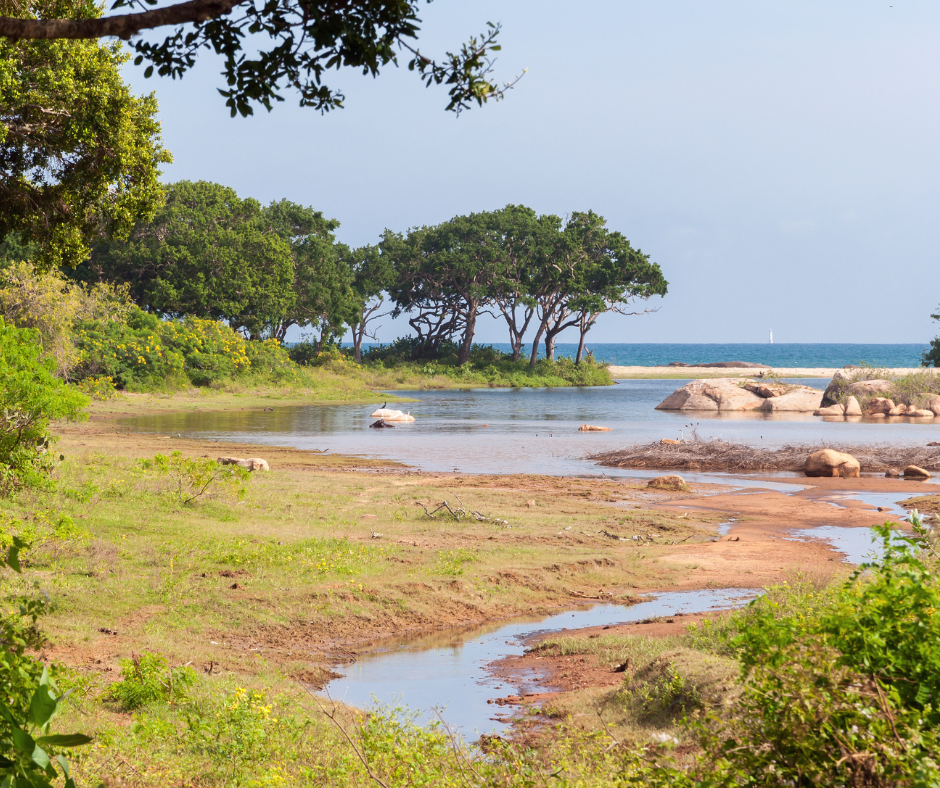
782 355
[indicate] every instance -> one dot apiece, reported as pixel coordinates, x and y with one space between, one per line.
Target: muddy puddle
448 671
858 545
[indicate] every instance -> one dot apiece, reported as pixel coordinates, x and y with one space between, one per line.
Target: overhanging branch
121 26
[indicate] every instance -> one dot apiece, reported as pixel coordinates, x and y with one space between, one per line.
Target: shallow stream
448 670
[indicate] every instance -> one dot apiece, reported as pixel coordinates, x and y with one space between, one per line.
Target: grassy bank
253 590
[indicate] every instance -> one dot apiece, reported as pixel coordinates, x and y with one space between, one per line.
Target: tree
322 280
932 356
79 154
526 238
300 40
207 254
372 274
450 268
589 271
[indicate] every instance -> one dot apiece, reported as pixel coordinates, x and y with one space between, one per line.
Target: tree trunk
463 356
535 346
584 327
358 331
550 346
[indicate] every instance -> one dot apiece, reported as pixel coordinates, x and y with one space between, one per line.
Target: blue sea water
777 355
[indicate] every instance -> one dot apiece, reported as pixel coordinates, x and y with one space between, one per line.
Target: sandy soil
732 372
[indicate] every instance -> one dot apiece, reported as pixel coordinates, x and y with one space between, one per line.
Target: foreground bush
147 352
30 397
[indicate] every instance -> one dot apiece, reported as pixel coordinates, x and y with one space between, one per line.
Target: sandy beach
686 373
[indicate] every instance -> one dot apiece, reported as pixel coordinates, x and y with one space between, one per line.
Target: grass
264 593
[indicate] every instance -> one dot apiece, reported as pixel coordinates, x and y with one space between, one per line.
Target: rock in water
385 413
592 428
400 417
718 394
828 462
878 405
672 482
916 472
892 473
833 410
802 399
852 408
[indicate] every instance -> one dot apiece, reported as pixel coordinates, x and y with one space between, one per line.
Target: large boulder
722 394
870 388
800 399
915 472
828 462
833 410
932 403
767 390
839 386
852 408
879 405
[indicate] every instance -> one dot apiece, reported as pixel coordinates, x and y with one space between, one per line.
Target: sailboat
771 336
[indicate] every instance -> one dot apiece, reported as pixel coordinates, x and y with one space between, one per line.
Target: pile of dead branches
458 512
719 455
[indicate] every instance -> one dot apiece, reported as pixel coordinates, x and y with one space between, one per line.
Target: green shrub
29 752
192 477
148 678
844 693
146 352
30 397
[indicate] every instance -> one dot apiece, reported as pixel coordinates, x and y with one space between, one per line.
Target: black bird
384 404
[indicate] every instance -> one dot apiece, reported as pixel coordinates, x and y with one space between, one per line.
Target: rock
869 388
915 472
251 463
828 462
722 394
799 400
384 413
892 473
852 408
671 482
877 416
530 503
402 418
934 443
381 424
833 410
670 441
592 428
932 403
898 410
919 413
878 405
768 390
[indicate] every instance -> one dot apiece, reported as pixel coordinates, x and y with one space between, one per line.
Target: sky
779 160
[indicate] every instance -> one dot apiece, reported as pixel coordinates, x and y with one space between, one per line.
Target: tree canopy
79 153
298 42
530 268
207 253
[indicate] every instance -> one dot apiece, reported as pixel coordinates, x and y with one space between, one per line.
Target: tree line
263 269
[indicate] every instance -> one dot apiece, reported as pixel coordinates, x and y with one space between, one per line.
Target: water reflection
515 430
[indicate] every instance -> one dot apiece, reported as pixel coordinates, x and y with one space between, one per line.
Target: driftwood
458 512
719 455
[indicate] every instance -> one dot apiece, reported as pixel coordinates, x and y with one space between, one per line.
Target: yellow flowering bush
148 352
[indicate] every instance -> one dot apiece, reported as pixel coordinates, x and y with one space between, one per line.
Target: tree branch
122 26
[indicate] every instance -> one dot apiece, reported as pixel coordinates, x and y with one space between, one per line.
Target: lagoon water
519 430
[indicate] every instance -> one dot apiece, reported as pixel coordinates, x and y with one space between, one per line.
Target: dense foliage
147 352
208 254
51 304
79 153
30 397
561 274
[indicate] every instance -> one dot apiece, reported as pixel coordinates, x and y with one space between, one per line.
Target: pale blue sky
778 159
